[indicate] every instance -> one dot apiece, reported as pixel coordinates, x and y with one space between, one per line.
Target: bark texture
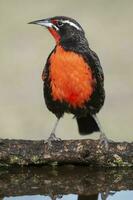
83 152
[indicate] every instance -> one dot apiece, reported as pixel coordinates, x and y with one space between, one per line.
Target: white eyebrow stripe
71 24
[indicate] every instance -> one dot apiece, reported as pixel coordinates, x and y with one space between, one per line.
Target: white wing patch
71 24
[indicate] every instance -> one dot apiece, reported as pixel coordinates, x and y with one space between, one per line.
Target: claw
104 141
51 138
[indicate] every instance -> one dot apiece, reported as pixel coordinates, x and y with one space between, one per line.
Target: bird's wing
98 96
95 64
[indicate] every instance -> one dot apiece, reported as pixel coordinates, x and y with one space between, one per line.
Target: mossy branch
83 152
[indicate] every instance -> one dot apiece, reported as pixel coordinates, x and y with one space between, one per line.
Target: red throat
55 34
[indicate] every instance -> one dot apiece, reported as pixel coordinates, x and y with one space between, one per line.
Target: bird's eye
59 23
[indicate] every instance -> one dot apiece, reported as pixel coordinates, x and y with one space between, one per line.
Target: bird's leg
103 138
52 136
54 197
104 195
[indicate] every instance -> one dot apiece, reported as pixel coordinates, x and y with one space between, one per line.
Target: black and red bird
73 76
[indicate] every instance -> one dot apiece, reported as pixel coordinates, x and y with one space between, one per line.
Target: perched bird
73 76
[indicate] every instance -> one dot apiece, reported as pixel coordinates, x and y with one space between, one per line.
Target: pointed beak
43 22
54 30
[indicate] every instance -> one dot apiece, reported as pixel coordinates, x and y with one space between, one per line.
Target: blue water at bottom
122 195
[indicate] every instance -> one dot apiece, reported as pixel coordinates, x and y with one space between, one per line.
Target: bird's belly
71 78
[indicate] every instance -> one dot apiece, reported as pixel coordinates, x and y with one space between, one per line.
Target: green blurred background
23 52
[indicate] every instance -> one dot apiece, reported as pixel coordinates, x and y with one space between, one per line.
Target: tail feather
87 125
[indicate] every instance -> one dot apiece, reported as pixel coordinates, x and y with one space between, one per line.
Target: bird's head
62 28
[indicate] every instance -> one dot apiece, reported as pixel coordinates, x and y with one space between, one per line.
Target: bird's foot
104 195
104 141
51 138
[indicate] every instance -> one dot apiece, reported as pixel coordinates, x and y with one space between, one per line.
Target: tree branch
85 152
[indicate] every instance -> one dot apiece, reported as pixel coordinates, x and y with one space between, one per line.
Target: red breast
71 78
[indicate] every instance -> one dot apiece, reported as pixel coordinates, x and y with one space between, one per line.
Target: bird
73 79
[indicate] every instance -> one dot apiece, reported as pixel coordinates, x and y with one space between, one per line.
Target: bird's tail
87 124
